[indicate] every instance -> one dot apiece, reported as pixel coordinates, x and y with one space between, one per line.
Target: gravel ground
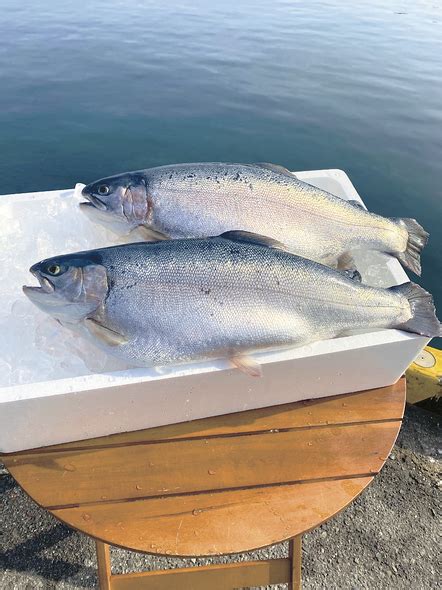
388 538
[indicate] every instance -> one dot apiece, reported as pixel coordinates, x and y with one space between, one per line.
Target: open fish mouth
92 201
45 284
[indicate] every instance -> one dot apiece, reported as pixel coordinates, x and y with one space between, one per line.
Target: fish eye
103 189
54 270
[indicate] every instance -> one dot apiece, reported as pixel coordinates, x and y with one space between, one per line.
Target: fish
207 199
170 302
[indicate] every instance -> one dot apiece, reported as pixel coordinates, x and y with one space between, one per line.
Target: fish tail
423 320
417 238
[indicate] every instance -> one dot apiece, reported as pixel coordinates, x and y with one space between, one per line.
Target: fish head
71 286
119 202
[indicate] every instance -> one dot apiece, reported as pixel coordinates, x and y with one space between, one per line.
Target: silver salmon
177 301
200 200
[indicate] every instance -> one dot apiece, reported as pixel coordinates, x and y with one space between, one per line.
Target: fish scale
206 199
176 301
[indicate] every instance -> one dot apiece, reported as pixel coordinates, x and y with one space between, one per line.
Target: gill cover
119 201
72 294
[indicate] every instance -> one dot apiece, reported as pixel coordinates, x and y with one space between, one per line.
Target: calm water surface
93 88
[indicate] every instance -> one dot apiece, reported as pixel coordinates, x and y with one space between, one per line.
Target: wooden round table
217 486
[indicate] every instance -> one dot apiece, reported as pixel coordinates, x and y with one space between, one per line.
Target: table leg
104 565
261 572
295 554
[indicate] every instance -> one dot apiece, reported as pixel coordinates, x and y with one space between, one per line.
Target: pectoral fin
247 365
151 235
106 335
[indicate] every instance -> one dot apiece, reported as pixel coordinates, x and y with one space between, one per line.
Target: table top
218 485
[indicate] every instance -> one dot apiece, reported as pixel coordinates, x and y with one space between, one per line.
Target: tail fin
417 238
423 320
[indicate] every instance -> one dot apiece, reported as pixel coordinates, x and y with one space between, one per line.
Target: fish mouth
45 284
94 201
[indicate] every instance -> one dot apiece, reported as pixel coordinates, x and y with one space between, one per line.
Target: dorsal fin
353 274
274 168
356 204
251 238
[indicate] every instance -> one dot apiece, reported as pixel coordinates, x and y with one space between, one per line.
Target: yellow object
424 376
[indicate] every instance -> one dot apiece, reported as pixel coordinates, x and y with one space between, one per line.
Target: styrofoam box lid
334 181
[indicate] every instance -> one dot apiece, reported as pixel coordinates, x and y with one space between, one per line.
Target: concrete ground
388 538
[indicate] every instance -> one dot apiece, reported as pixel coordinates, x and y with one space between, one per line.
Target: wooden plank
181 467
104 565
215 577
215 523
386 403
295 554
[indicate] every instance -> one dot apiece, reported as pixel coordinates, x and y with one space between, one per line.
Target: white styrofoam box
90 405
